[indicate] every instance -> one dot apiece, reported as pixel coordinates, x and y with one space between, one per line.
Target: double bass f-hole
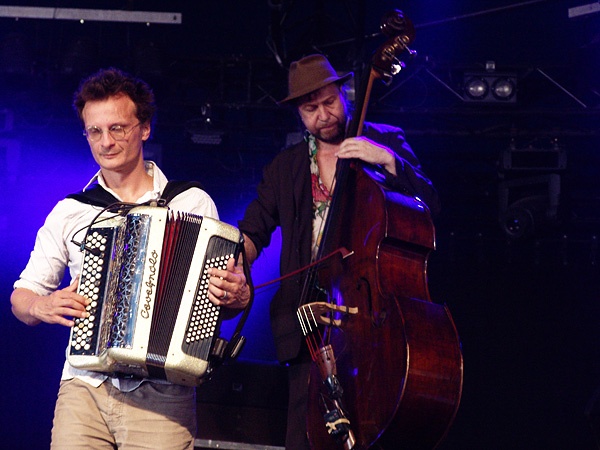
377 317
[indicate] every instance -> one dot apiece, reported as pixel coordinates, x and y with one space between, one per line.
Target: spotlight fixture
529 192
476 88
489 87
504 89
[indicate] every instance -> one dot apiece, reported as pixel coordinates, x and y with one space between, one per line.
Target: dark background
525 300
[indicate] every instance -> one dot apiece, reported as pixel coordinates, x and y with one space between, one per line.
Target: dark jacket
284 199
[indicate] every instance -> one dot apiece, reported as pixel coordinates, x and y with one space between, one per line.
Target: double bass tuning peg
401 33
385 60
397 66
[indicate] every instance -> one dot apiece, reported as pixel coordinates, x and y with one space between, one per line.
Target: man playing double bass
294 195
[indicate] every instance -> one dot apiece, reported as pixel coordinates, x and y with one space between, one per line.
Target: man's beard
334 138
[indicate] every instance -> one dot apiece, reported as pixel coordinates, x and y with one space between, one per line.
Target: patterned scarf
321 198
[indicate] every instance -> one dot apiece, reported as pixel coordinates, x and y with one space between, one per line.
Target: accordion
146 276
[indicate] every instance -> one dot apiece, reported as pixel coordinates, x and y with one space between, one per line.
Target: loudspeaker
244 405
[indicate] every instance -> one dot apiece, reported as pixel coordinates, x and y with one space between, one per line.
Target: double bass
388 366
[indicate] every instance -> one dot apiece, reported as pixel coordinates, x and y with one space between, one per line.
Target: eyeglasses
117 132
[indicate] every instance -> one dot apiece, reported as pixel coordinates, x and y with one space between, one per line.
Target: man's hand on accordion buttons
228 287
60 306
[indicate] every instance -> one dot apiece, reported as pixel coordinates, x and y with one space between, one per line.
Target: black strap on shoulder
98 196
176 187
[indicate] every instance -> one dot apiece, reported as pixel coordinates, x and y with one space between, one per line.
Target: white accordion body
146 276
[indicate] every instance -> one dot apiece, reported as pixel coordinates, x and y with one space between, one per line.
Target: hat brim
311 88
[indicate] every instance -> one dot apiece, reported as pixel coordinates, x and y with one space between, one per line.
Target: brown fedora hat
309 74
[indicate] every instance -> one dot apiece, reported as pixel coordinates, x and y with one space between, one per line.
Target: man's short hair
113 82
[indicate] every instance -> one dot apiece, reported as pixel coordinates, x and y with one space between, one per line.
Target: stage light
529 192
476 88
503 88
489 87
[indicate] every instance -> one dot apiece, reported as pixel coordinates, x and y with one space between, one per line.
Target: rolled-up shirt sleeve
50 256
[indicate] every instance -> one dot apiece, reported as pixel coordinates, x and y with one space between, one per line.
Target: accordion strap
227 351
176 187
98 196
237 341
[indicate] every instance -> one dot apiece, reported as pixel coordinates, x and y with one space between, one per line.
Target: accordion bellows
146 276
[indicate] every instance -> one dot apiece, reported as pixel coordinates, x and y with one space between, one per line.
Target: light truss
83 15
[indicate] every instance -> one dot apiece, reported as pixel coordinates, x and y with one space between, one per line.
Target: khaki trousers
153 416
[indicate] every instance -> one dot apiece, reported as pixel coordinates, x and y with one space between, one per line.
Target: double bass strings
310 329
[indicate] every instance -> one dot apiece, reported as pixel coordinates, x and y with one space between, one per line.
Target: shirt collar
312 142
159 181
312 145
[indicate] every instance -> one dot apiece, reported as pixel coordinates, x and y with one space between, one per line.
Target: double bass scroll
385 62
